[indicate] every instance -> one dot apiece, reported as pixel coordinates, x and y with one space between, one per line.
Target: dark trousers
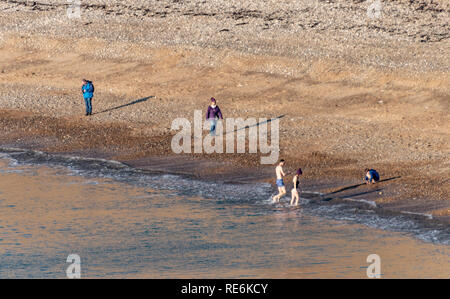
88 103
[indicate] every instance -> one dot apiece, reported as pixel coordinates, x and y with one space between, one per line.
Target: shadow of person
256 125
354 187
125 105
351 195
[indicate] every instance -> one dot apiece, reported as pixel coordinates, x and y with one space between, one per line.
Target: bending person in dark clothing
372 176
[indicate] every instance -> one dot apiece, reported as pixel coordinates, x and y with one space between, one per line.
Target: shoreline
389 220
234 169
139 217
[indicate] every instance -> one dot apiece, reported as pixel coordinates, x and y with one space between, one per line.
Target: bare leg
297 197
276 198
294 198
281 192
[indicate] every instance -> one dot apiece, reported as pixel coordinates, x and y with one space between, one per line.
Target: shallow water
126 223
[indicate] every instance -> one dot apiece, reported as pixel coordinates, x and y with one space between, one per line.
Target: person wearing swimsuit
280 184
294 193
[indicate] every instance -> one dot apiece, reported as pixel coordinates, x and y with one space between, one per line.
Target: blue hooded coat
88 90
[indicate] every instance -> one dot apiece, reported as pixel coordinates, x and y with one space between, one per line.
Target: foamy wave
369 202
429 216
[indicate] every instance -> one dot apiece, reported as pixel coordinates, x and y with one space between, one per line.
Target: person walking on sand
88 93
212 115
372 176
280 184
294 193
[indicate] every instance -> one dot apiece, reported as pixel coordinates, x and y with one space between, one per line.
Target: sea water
127 223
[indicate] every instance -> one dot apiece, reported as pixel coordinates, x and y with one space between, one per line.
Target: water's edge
352 210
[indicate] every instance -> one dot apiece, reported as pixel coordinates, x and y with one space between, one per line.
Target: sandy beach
351 91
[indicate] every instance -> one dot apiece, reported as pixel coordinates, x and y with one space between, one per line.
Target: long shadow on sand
352 195
356 186
125 105
257 125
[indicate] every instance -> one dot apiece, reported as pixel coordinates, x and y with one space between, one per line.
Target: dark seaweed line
120 9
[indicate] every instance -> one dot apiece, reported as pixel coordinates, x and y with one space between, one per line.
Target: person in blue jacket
88 92
372 176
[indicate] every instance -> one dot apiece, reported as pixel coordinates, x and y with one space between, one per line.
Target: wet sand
372 94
